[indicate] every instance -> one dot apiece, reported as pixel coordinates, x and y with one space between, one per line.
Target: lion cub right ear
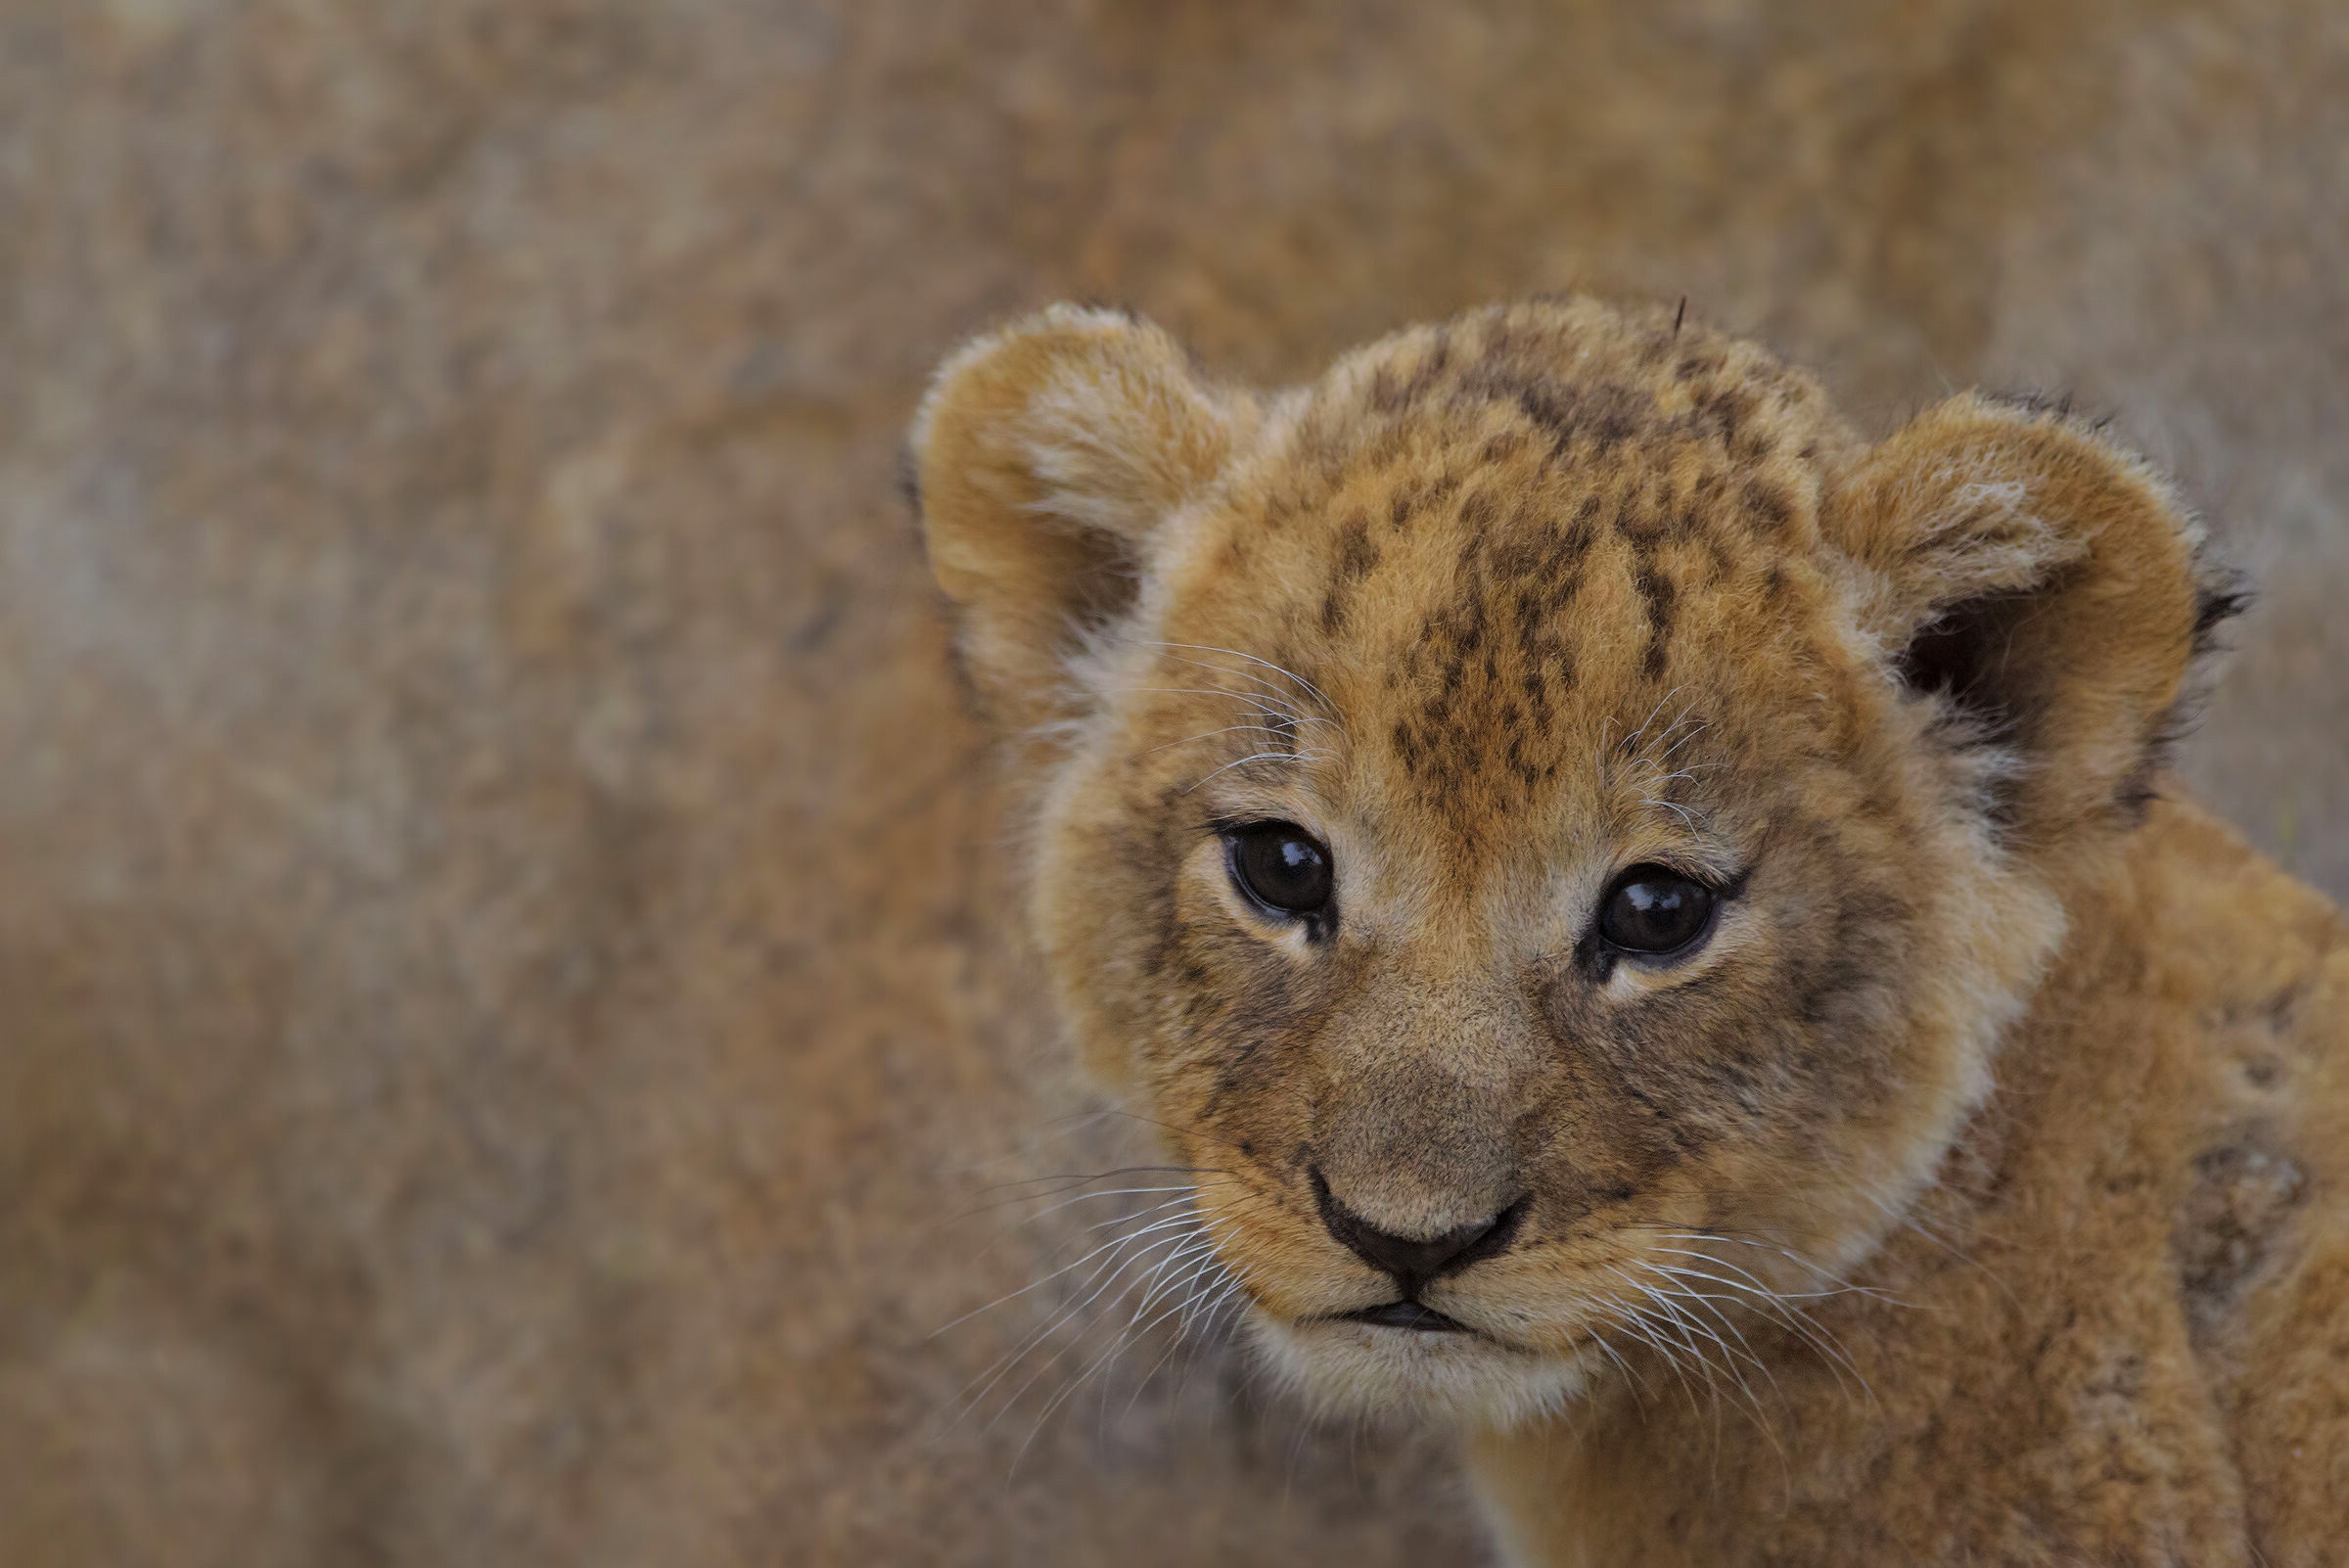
2047 590
1047 454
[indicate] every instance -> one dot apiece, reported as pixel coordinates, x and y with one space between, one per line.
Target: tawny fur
1972 1195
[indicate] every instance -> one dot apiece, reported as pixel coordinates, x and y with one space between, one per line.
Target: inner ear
1965 655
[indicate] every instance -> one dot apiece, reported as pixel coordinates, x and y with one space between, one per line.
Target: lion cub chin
1658 924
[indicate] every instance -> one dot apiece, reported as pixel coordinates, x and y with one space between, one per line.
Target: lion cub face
1544 816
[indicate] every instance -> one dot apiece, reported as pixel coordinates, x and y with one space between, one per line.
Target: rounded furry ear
1045 456
2044 588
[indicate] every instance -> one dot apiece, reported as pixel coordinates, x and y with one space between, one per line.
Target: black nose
1414 1263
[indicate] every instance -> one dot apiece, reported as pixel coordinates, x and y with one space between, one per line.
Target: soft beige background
504 981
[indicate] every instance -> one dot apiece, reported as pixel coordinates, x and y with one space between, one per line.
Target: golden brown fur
1935 1160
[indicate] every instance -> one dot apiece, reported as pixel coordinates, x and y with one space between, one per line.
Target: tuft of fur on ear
2046 591
1045 458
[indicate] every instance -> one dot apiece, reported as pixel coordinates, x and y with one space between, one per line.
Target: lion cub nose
1411 1262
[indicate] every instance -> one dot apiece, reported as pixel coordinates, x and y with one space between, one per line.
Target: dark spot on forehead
1524 440
1723 408
1501 447
1770 503
1607 413
1641 518
1720 561
1525 771
1534 609
1355 557
1656 593
1476 516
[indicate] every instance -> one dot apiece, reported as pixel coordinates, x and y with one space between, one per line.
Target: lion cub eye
1281 866
1652 910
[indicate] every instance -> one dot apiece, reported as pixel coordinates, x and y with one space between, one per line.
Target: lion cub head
1546 812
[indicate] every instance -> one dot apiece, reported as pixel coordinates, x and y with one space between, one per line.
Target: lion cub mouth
1406 1315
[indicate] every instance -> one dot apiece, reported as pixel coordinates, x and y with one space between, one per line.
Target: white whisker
1261 757
1229 729
1068 1316
1260 687
1267 663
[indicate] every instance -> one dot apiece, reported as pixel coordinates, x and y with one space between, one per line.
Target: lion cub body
1963 1189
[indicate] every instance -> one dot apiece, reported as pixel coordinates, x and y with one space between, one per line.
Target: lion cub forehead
1526 433
1490 536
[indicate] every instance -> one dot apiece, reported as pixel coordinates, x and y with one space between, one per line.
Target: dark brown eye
1281 866
1652 910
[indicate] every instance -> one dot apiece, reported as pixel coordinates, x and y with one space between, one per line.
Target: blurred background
511 1043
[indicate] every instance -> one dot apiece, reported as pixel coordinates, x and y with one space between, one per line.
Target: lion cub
1658 922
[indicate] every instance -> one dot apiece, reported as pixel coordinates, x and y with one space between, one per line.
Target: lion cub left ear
2045 587
1047 455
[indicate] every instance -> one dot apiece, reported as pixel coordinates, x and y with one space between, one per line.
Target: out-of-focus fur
1934 1210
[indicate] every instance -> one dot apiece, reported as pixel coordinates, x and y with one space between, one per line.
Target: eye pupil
1653 910
1281 866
